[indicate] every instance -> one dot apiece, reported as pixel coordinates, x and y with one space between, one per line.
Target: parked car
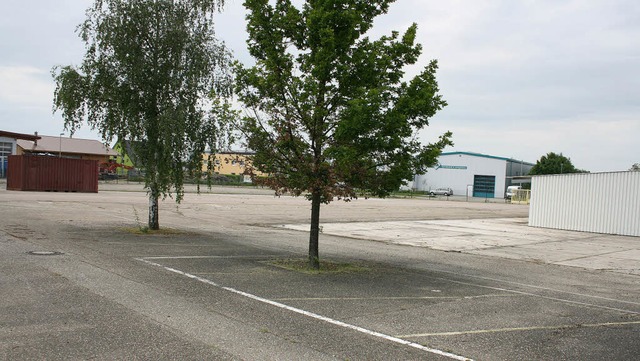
510 191
441 192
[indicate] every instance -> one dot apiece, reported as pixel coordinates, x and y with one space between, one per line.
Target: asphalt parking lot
439 280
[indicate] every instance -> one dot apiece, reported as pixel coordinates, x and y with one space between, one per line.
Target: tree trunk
154 223
314 258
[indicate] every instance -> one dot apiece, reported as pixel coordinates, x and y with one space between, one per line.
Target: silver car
441 191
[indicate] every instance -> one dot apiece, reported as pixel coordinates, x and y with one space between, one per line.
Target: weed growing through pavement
326 267
141 228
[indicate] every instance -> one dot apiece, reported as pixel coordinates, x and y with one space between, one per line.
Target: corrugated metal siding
43 173
15 173
599 202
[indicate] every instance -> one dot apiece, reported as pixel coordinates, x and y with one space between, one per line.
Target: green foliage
329 112
149 64
553 163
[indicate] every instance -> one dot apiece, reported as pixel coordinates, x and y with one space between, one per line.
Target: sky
522 78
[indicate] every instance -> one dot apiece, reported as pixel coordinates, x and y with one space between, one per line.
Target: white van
510 190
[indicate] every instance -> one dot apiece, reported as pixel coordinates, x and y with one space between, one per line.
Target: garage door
484 186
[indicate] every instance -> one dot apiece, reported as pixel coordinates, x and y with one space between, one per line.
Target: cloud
41 33
25 86
522 78
591 143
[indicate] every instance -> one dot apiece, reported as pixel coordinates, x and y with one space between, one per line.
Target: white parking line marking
457 274
539 296
311 314
118 243
387 298
362 298
538 287
205 257
514 329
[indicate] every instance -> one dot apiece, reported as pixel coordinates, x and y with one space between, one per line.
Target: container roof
49 144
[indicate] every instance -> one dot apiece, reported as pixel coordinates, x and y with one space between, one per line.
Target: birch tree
148 70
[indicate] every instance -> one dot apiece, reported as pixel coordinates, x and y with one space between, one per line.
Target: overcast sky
522 77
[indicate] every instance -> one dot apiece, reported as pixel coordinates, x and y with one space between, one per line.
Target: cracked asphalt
441 280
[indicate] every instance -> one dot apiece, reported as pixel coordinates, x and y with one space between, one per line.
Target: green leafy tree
553 163
149 66
328 111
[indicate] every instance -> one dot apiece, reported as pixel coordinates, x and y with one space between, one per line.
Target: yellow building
228 163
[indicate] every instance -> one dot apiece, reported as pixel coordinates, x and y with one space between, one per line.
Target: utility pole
60 150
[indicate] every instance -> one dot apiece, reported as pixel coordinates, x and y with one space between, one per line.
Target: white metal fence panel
590 202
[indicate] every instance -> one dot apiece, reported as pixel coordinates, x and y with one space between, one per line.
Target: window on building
5 149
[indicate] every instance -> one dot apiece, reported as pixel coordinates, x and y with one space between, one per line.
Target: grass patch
146 230
326 267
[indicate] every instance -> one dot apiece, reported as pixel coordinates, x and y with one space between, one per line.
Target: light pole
60 150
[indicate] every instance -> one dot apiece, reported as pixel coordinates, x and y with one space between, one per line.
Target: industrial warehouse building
473 174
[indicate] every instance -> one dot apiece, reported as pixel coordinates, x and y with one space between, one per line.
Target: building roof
487 156
31 137
49 144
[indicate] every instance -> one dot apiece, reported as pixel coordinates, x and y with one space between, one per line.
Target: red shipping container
47 173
